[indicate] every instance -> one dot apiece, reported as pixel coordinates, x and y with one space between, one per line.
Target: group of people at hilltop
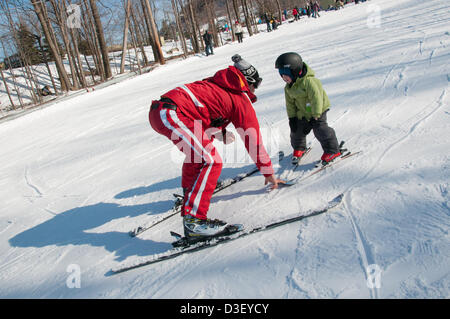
311 9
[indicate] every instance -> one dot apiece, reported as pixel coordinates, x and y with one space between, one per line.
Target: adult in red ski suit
191 115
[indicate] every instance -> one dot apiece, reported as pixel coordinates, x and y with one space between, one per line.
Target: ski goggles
285 71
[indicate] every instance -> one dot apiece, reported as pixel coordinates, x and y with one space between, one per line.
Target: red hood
232 80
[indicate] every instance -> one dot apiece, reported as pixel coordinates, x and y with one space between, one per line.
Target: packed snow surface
78 175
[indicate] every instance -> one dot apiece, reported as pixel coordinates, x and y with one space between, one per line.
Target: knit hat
247 70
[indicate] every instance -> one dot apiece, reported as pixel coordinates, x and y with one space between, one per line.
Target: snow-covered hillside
77 176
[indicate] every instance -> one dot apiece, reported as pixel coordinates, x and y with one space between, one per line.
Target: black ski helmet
291 60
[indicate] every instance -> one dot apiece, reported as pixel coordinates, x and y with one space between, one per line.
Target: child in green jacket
306 105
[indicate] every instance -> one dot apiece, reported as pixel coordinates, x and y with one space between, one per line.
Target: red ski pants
202 165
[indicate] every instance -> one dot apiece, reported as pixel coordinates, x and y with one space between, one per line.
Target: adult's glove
293 124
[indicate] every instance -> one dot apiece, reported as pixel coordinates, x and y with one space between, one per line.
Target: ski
214 241
301 159
321 168
178 203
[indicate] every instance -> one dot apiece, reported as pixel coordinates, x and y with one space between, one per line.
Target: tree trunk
63 78
155 34
209 6
16 88
179 28
125 36
195 43
92 41
139 38
233 37
253 20
7 89
134 41
247 18
65 36
44 54
101 39
280 19
236 10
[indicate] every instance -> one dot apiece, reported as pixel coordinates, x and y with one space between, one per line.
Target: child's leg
325 135
298 138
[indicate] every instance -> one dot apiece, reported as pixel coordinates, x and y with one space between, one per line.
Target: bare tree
92 41
101 39
125 35
159 57
7 88
138 34
248 20
61 22
179 27
41 13
195 32
233 37
13 76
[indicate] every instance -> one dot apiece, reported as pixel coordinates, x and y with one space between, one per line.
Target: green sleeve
290 106
315 95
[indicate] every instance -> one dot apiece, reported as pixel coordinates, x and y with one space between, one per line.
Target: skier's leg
201 172
298 138
325 135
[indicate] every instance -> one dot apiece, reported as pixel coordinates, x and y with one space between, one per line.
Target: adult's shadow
175 183
72 228
143 190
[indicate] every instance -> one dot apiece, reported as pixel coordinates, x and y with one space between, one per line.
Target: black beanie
247 70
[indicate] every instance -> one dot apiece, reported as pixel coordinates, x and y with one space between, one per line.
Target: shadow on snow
77 226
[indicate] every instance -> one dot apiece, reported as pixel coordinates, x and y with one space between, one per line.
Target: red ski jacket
225 98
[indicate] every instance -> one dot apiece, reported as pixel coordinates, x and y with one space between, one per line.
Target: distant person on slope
307 105
208 39
191 116
239 31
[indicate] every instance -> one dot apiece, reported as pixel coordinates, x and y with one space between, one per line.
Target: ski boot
296 156
327 158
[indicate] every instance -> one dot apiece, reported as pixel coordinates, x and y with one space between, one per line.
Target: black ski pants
324 134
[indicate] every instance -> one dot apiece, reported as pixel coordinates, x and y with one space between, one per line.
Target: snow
78 175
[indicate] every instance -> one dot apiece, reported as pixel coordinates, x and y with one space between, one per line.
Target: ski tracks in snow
366 256
363 245
35 189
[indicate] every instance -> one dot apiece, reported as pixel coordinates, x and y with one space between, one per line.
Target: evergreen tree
28 44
